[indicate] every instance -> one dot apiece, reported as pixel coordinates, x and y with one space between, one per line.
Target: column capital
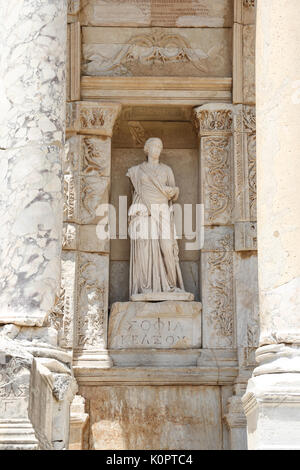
214 119
96 118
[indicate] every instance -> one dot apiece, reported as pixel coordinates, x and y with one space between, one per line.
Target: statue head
153 148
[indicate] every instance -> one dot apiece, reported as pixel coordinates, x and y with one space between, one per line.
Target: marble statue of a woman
155 272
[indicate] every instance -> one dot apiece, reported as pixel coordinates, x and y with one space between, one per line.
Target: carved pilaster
87 183
214 124
245 164
217 288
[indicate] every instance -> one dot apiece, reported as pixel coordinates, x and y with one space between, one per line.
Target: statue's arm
172 184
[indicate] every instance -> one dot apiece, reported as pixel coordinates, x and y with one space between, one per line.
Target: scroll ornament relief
251 150
61 318
91 309
217 185
249 119
156 48
220 280
55 318
249 63
91 156
253 333
93 191
95 153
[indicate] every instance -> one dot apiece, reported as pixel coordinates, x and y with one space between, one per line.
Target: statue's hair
149 142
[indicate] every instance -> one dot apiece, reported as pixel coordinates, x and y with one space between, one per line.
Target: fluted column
32 127
272 400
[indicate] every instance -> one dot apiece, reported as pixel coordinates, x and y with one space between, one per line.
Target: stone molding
159 90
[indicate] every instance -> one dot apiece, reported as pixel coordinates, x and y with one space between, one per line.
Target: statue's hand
172 193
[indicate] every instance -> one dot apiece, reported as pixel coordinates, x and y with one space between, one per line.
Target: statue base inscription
160 325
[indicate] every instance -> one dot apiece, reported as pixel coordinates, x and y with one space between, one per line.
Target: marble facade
83 85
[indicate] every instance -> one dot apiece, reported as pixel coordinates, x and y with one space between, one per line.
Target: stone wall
183 72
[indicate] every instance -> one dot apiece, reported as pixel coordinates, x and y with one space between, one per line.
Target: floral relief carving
94 191
210 121
249 63
220 281
92 117
95 156
55 317
91 315
251 150
253 333
217 184
249 119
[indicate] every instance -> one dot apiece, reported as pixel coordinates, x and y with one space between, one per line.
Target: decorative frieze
123 52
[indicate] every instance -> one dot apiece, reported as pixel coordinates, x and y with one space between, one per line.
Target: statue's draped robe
154 262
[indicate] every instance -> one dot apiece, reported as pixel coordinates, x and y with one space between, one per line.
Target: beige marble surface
156 52
159 417
156 325
186 13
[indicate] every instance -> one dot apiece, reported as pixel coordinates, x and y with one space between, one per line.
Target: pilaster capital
96 118
73 7
214 119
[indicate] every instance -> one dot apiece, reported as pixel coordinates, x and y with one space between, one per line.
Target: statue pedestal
160 325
